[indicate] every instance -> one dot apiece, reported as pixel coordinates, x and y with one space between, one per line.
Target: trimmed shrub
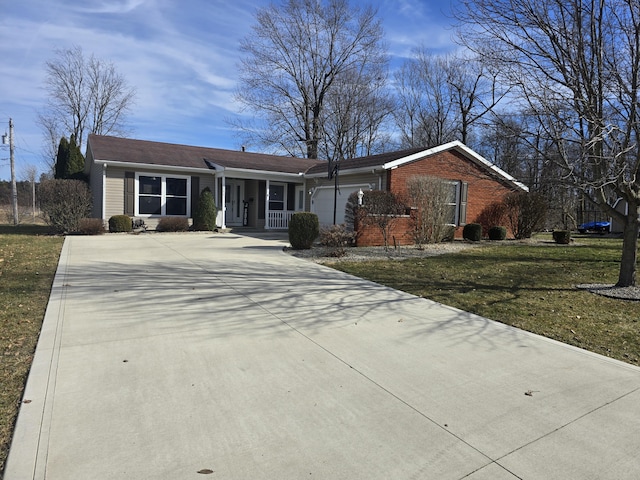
64 203
120 223
204 217
337 238
91 226
497 233
173 224
562 236
304 228
472 231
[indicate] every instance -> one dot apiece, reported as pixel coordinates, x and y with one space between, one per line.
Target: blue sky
181 56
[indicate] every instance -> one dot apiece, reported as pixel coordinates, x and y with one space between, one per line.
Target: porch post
223 201
266 207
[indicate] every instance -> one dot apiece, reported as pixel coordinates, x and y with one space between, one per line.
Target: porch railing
279 219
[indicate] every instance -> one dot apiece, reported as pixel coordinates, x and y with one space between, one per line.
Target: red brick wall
371 235
451 165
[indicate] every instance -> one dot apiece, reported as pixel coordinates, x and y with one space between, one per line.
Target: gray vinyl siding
114 192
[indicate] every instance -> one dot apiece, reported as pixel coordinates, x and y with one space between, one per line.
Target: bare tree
441 97
355 114
52 133
299 53
576 63
30 173
433 198
381 208
85 96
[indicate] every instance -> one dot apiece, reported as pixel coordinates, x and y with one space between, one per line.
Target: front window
163 195
150 195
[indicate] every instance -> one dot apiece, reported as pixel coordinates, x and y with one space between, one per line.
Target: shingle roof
366 162
125 150
115 149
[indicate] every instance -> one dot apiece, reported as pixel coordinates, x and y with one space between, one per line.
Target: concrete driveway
177 356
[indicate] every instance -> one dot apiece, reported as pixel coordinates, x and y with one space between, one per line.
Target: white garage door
322 202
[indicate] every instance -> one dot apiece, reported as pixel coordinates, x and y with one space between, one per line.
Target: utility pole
14 189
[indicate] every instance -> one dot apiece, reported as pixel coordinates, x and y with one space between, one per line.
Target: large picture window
162 195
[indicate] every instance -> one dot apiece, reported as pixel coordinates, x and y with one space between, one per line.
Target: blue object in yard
602 227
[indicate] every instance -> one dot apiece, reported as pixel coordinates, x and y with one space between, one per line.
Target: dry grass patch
28 261
530 286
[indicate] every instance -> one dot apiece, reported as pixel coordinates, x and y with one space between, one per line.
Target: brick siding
484 189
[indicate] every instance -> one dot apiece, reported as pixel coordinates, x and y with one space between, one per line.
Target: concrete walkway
177 356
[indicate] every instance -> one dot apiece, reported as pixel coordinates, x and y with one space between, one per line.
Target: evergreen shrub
304 228
497 233
472 231
120 223
204 217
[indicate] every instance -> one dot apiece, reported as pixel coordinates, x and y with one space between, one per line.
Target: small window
452 202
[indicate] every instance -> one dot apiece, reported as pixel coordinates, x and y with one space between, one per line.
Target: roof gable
388 161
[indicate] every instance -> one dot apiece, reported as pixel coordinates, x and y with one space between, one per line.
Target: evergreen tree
62 159
70 161
76 160
204 217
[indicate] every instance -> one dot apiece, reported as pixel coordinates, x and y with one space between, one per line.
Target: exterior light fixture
360 197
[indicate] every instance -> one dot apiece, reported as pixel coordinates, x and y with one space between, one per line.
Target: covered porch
262 203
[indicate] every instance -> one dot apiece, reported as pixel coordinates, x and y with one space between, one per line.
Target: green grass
530 286
28 260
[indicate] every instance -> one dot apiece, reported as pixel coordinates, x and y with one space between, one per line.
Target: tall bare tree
576 63
86 95
298 54
356 112
441 97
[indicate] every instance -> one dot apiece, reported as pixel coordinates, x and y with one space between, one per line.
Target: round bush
497 233
472 231
562 236
172 224
304 228
120 223
204 217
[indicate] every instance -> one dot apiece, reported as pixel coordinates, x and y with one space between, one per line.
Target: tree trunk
627 276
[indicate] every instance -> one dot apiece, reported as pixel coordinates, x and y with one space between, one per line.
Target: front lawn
527 285
28 261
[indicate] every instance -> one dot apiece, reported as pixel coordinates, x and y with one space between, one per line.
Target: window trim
163 194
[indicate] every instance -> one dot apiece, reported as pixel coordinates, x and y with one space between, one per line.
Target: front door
234 202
